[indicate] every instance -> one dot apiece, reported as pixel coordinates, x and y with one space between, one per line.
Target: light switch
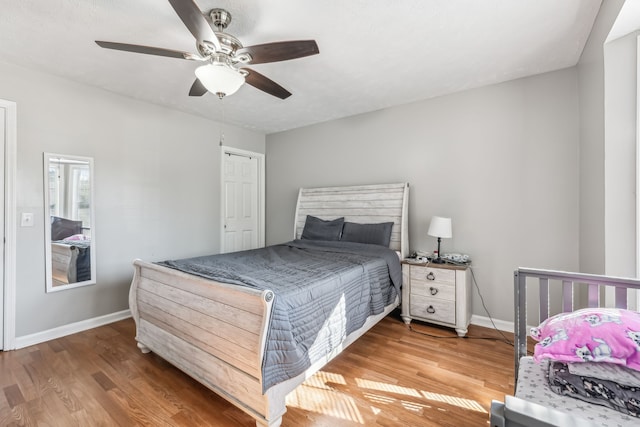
27 219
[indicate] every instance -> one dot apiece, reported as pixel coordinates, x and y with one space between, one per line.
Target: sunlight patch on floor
379 399
414 407
325 401
456 401
321 378
390 388
406 391
387 400
317 395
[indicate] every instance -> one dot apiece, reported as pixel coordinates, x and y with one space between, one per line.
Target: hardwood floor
390 377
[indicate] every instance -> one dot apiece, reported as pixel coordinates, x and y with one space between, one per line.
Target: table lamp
441 228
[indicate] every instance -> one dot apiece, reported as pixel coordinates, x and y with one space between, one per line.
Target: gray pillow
318 229
61 228
376 234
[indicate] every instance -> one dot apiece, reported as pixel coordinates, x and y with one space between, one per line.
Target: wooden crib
557 292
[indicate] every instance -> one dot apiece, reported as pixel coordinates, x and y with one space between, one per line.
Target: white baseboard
72 328
483 321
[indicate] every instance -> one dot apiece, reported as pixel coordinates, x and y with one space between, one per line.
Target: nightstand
437 293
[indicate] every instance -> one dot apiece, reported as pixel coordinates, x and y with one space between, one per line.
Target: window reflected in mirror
69 223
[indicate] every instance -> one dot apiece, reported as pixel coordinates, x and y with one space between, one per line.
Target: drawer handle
431 310
431 276
433 291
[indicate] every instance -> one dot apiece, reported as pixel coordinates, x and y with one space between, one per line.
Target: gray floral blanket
311 281
620 397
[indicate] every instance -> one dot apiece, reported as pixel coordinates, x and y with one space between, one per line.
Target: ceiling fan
224 72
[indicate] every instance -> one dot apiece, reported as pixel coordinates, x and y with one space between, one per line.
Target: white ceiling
373 53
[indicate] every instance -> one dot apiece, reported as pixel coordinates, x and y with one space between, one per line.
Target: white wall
592 148
157 184
501 161
620 101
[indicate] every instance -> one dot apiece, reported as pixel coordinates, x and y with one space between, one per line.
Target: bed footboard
219 327
63 263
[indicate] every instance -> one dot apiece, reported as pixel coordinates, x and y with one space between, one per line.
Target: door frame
8 285
637 180
224 150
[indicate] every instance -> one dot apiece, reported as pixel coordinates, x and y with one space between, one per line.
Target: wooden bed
556 292
226 352
63 260
70 262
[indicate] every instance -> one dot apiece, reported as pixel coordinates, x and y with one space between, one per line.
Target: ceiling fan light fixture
220 79
224 54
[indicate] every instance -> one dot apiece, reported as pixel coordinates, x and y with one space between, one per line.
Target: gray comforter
310 280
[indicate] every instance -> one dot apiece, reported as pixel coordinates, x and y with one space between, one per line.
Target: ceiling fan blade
280 51
195 21
265 84
146 49
197 89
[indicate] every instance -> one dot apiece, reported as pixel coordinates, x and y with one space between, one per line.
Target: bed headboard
364 204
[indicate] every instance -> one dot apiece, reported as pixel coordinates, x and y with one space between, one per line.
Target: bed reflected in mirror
69 224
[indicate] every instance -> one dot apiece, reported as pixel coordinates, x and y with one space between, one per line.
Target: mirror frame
47 157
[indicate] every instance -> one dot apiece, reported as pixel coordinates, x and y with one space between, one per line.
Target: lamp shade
440 227
219 79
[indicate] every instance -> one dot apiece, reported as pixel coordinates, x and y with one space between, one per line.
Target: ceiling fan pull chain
221 122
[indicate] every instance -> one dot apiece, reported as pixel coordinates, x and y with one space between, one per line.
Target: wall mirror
69 222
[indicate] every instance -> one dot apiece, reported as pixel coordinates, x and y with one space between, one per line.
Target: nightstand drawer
434 289
433 309
428 274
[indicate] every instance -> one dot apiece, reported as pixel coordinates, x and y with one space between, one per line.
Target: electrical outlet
27 219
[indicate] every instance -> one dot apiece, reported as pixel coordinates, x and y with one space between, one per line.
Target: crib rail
570 283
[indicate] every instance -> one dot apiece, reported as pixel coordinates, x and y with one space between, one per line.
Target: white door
3 132
240 202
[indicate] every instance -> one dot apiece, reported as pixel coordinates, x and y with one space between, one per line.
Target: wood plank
22 415
92 413
25 381
120 415
84 418
103 381
13 395
242 297
53 403
372 188
364 214
226 314
354 205
202 366
227 351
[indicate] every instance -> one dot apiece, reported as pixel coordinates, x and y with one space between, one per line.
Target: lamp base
438 261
